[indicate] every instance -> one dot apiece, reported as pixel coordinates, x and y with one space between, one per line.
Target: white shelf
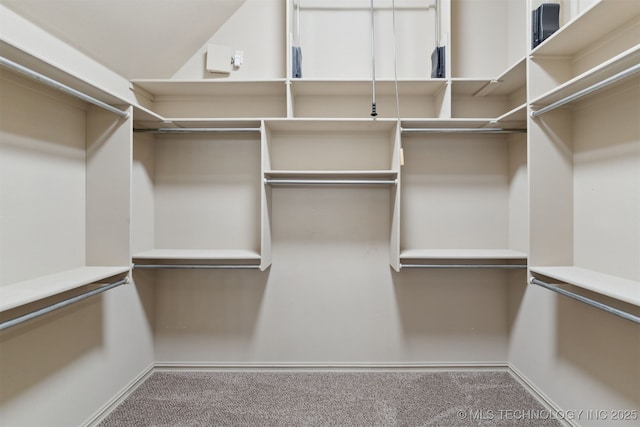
191 88
330 125
445 123
460 254
215 123
612 286
141 114
588 28
22 293
364 87
332 174
35 63
508 82
517 116
198 254
597 74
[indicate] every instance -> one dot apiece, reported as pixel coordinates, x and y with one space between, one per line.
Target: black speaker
437 62
545 20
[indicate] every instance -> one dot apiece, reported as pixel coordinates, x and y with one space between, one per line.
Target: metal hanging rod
197 130
198 266
472 266
48 309
330 181
462 130
59 86
597 86
588 301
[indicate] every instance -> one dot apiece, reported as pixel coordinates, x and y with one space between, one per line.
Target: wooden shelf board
508 82
28 291
605 284
42 66
512 79
518 114
588 28
457 123
332 174
331 125
198 254
141 114
215 123
350 87
467 87
458 254
172 88
605 70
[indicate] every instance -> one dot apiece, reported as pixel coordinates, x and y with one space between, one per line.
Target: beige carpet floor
292 398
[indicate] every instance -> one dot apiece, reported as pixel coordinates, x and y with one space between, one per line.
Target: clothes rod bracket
60 86
48 309
588 301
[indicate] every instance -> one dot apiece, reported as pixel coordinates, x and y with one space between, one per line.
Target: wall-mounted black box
545 20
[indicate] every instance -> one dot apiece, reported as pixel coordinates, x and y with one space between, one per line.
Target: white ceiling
135 38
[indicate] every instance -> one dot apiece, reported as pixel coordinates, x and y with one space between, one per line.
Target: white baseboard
319 366
549 404
106 409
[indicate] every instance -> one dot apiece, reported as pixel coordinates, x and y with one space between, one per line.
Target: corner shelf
28 291
234 98
157 88
605 284
588 28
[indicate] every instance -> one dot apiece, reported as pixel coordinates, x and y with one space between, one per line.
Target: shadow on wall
602 345
37 349
450 301
211 302
144 281
458 315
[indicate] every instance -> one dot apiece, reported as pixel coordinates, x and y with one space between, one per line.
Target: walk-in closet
320 212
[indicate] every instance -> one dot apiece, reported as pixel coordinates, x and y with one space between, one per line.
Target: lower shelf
197 258
463 258
605 284
28 291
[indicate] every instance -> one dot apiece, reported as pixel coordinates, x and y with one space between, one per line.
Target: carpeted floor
277 398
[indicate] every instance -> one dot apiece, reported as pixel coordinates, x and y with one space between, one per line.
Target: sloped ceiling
134 38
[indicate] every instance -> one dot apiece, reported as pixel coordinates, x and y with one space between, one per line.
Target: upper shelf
588 28
615 65
332 125
28 291
612 286
154 88
364 87
198 254
462 254
508 82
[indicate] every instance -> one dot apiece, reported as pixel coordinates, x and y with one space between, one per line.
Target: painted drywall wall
61 368
256 28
